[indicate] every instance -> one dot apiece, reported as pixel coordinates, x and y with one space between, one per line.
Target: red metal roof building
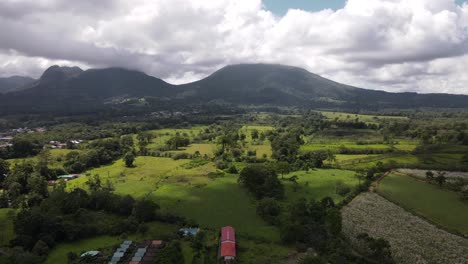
228 244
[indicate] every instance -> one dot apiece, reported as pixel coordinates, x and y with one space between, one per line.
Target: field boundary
453 232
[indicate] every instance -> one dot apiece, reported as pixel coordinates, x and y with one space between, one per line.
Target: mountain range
15 83
73 90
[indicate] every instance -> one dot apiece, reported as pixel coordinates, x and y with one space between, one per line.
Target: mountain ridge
14 83
240 84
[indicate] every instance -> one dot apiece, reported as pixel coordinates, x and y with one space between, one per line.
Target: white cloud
396 45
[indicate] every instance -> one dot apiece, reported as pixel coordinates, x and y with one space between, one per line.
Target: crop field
362 118
440 206
319 183
421 174
6 226
105 243
412 239
336 145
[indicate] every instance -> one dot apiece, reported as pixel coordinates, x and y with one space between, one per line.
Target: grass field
362 118
56 158
319 183
148 175
6 226
105 243
218 203
187 192
440 206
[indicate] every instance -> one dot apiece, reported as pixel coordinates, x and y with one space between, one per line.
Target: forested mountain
71 89
285 85
14 83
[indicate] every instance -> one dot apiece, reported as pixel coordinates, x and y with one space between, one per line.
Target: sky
392 45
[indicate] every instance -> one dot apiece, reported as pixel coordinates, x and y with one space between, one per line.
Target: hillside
72 90
286 85
14 83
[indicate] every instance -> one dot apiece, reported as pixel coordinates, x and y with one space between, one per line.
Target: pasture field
371 119
412 239
204 149
147 176
440 206
335 145
217 203
56 158
192 193
105 243
6 226
317 184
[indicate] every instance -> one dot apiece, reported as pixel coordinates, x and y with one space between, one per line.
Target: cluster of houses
68 177
53 144
6 137
145 252
5 141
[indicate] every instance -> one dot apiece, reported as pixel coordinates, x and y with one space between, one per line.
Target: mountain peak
58 73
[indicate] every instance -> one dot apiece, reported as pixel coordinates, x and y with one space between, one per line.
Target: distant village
7 137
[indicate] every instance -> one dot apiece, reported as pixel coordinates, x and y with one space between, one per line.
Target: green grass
6 226
105 243
147 175
319 183
187 192
56 158
251 252
371 119
438 205
218 203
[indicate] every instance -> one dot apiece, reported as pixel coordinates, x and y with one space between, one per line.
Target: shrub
181 155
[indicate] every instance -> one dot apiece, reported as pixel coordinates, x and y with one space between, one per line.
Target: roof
228 234
90 253
189 231
228 249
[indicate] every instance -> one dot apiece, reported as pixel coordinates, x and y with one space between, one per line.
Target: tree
465 195
312 260
129 159
94 183
269 209
262 181
42 165
145 210
429 176
334 221
331 157
378 249
254 134
38 184
171 254
282 167
40 248
127 142
4 170
441 179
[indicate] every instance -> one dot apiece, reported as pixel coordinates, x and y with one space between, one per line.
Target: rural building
189 231
90 254
227 245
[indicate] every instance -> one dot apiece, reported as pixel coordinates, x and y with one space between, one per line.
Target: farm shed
227 250
90 254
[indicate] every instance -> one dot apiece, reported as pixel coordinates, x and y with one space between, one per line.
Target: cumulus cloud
394 45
